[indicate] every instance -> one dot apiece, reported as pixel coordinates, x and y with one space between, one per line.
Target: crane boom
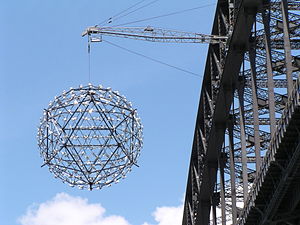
151 34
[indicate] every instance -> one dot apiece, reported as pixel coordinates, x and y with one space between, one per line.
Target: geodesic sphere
90 137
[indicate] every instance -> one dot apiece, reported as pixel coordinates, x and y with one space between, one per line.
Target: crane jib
152 34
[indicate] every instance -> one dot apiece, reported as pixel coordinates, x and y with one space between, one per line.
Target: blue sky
42 54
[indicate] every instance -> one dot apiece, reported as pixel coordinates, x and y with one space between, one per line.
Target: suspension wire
109 20
165 15
154 60
141 7
89 59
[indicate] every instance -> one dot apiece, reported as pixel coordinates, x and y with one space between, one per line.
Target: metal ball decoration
90 137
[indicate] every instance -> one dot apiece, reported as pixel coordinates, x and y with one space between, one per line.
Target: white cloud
168 215
64 209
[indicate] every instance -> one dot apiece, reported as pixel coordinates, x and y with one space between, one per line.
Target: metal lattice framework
152 34
90 137
246 153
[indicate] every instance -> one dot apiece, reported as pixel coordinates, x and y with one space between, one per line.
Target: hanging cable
165 15
141 7
89 58
119 15
154 60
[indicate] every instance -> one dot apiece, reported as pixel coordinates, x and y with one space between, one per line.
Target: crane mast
152 34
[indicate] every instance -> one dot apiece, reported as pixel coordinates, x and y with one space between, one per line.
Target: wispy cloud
64 209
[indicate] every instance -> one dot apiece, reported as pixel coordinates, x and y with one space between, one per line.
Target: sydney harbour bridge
245 160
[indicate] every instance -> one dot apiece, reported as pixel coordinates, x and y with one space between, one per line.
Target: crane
152 34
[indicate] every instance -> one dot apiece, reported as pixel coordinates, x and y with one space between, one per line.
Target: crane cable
165 15
141 7
154 60
109 20
119 15
89 59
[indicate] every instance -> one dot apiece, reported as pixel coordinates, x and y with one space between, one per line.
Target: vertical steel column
214 210
287 46
232 170
241 86
222 187
271 97
252 56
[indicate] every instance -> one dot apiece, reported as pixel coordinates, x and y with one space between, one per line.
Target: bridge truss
245 160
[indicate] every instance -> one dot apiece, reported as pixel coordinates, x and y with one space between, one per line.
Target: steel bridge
245 160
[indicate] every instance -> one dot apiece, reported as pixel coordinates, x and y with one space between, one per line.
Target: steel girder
244 94
219 83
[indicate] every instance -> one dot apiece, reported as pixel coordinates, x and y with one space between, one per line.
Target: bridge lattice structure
245 160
